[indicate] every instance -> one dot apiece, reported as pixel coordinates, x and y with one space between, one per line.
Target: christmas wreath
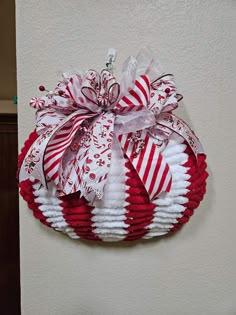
110 161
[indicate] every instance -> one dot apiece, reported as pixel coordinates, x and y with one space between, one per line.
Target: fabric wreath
110 161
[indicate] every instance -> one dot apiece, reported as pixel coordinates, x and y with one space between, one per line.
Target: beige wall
192 272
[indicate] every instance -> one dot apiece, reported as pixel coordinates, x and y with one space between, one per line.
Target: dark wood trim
9 218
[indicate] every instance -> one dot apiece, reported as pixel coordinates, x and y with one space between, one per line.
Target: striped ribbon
150 165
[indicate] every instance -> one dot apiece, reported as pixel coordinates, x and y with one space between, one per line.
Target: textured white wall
192 272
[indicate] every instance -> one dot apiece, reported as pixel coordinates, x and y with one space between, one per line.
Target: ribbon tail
179 126
57 148
150 165
90 169
32 165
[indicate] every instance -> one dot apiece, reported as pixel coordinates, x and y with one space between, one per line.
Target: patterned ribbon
74 149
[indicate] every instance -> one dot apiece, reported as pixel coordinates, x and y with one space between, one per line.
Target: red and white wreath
110 161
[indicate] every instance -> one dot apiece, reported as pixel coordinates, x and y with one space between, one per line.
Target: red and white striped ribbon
150 165
58 144
137 98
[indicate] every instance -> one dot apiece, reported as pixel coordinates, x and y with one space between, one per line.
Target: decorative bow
79 120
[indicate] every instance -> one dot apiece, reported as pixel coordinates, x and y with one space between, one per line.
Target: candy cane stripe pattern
110 161
156 175
137 98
